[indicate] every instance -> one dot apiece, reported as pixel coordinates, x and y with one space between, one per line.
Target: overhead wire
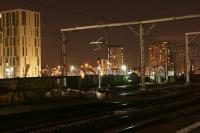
68 11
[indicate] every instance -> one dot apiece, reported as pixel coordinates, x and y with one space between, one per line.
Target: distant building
46 71
103 65
1 53
194 57
115 56
21 44
161 60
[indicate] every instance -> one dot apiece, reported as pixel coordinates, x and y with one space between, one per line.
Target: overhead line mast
141 34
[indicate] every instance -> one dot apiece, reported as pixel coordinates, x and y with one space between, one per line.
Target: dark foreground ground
163 109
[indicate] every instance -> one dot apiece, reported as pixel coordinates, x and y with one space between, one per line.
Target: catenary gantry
141 36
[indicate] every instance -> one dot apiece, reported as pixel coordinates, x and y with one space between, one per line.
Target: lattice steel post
63 54
142 56
187 59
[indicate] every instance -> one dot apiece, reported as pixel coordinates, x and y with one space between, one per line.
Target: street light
99 74
86 65
124 68
72 68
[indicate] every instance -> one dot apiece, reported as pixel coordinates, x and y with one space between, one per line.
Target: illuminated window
36 20
38 61
13 19
36 52
11 61
7 19
22 51
14 62
4 52
22 40
10 51
24 30
26 51
1 38
23 18
15 51
7 51
35 40
3 19
24 61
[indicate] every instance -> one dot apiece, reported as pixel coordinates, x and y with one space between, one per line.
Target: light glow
72 68
86 65
123 67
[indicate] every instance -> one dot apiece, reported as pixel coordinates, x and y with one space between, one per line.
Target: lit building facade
103 66
194 56
21 44
161 60
1 53
115 56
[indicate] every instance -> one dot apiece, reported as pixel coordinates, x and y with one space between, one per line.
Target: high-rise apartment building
194 56
161 59
1 52
115 56
20 50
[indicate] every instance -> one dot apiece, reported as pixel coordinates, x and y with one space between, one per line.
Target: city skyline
91 12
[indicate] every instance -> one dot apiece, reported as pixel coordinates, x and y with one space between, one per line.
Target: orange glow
86 65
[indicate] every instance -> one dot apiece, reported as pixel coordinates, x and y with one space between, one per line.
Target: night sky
57 14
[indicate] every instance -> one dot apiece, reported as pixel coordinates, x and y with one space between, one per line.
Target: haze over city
65 14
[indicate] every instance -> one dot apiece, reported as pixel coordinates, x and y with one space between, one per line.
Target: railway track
129 119
114 117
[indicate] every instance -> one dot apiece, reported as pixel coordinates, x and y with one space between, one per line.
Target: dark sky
57 14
